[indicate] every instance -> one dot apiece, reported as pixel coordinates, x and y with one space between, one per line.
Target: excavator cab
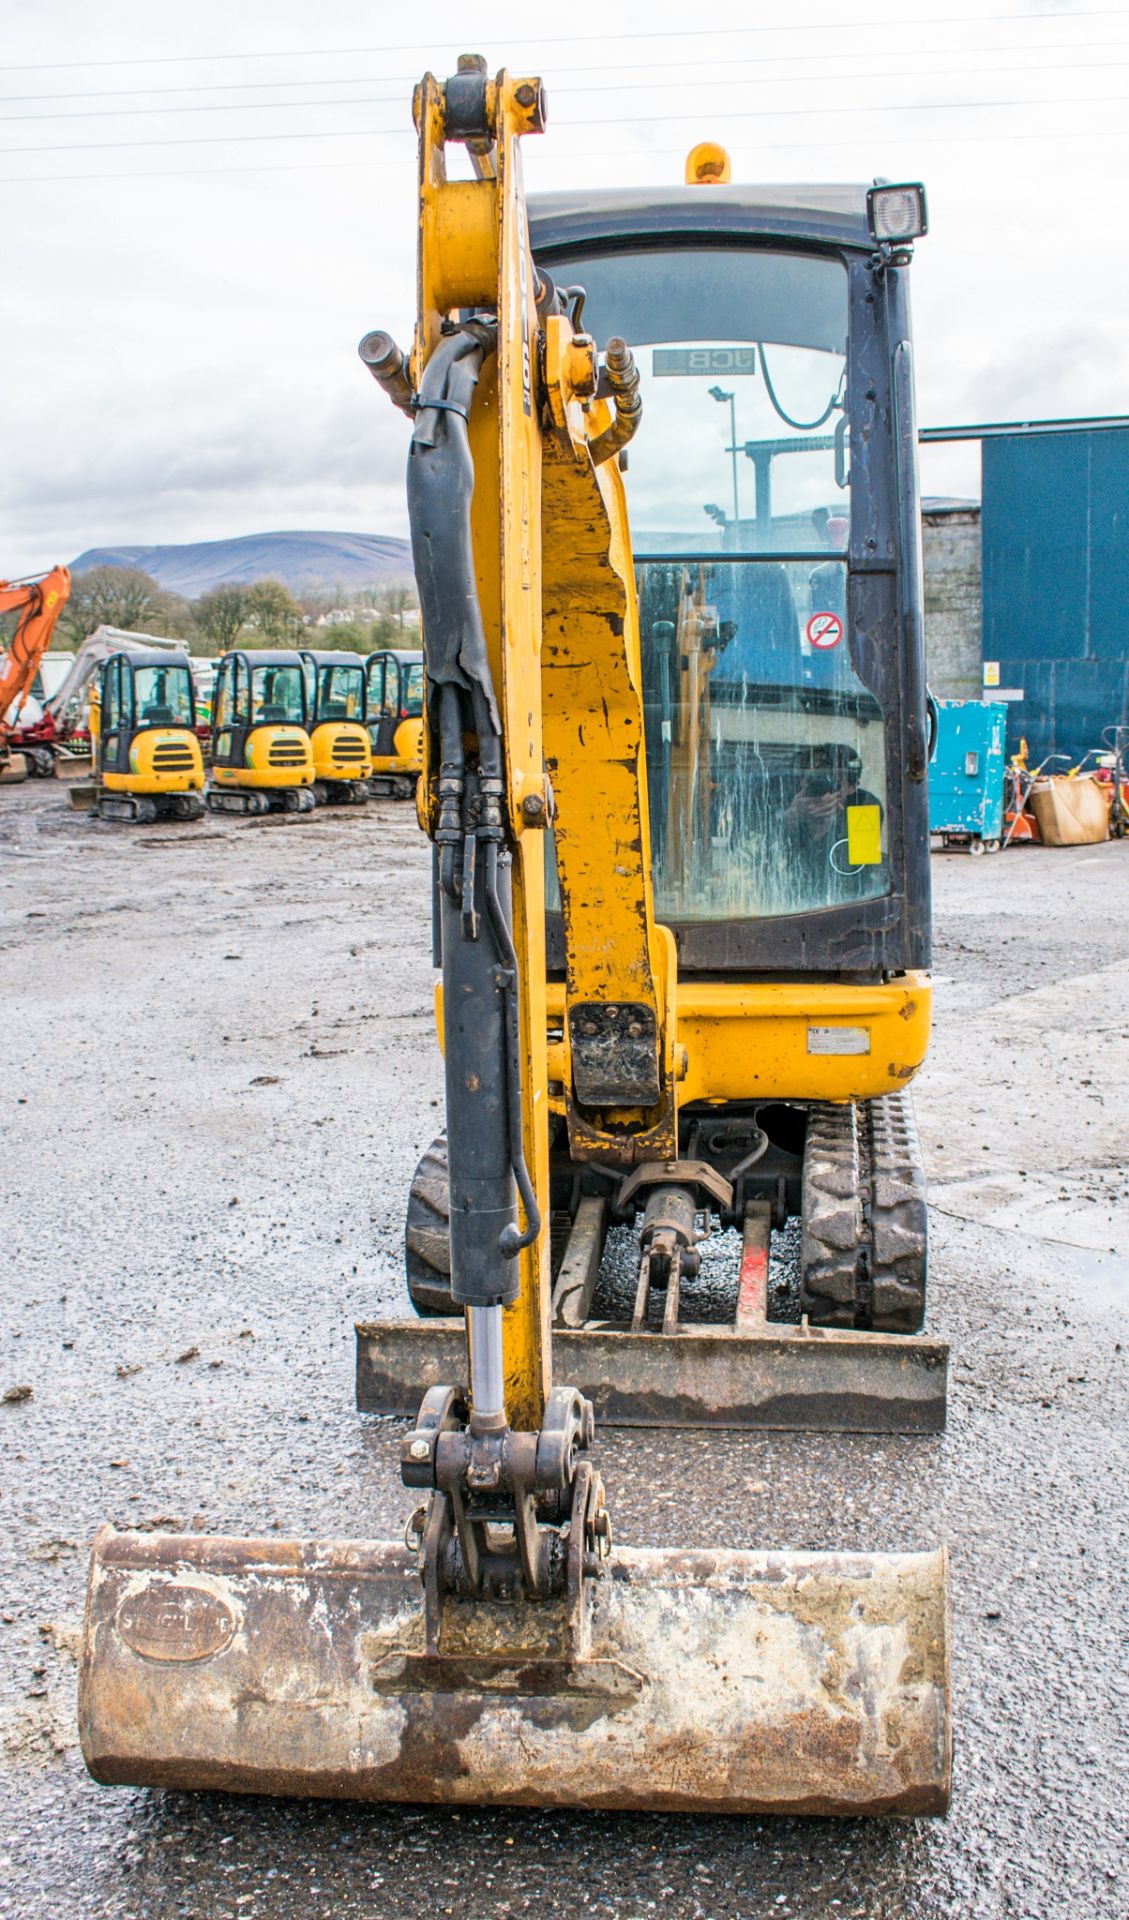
773 519
335 687
261 752
147 758
394 704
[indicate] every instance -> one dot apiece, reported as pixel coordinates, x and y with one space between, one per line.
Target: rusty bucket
719 1682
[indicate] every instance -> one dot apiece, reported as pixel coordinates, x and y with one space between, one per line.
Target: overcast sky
203 209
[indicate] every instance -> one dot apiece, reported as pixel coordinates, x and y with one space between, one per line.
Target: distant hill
299 560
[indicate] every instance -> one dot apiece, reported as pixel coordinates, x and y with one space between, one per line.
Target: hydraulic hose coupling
388 367
621 384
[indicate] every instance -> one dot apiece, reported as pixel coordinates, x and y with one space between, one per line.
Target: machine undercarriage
852 1176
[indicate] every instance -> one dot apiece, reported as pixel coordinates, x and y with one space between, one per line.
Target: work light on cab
897 213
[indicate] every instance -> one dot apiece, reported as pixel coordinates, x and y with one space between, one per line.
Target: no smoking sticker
825 630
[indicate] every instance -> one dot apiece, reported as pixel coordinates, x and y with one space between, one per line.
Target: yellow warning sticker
864 836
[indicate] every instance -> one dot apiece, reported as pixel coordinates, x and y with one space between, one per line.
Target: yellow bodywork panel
407 755
773 1040
342 750
161 760
810 1040
274 757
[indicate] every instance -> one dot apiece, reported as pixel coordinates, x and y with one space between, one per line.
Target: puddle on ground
1084 1276
1084 1208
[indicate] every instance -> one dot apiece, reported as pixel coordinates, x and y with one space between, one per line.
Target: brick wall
951 541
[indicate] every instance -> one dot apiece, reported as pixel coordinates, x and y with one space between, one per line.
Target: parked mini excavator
335 687
742 925
394 706
147 758
261 752
39 602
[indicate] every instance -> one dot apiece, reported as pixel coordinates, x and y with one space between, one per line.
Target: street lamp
719 394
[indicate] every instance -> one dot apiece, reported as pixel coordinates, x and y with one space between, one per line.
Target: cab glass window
742 360
163 697
341 693
381 687
111 698
765 750
412 690
277 696
222 702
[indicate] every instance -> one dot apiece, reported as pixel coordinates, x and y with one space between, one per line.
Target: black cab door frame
116 719
230 729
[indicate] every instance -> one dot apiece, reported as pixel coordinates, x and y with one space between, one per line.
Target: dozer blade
811 1683
807 1379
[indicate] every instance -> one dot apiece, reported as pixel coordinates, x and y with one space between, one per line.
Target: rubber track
427 1234
864 1241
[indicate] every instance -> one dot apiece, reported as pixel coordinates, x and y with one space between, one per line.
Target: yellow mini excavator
335 688
147 758
722 975
261 753
394 709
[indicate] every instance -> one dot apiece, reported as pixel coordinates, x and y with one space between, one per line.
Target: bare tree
396 598
110 597
220 613
274 612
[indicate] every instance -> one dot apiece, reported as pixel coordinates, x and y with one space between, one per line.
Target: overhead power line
613 153
624 120
553 40
760 61
611 86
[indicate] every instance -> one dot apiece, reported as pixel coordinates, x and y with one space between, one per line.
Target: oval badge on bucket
173 1621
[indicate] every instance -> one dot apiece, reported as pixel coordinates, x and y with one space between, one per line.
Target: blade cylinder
712 1681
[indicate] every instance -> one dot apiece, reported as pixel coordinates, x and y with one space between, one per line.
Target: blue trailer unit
966 774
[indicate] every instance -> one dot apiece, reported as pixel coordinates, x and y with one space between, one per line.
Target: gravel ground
219 1071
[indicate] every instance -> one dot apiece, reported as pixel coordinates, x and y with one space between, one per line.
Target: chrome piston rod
487 1381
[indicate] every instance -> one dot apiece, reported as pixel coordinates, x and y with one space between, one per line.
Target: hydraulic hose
512 1240
480 965
622 377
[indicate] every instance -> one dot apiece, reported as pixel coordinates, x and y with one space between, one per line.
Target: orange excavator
42 601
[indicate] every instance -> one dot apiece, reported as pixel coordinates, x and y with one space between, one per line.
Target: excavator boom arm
42 602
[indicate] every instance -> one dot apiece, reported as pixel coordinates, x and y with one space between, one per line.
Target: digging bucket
716 1682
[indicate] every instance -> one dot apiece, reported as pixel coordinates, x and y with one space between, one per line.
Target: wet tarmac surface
219 1070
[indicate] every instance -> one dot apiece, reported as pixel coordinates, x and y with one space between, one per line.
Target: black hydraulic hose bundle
482 1040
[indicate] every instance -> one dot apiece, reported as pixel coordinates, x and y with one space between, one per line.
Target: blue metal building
1055 542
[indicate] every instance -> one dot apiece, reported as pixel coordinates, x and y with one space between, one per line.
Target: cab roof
265 656
332 657
834 214
152 657
406 656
